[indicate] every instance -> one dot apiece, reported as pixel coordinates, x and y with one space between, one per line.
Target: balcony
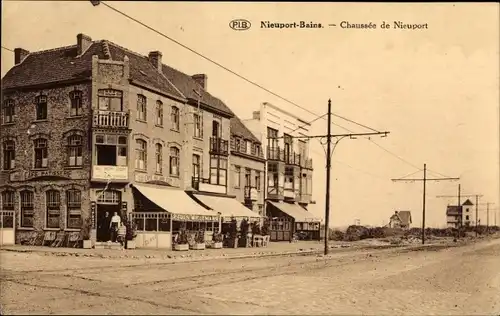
204 185
110 119
305 198
306 163
219 146
275 154
251 193
292 158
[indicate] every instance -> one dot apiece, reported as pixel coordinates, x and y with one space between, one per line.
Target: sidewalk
273 249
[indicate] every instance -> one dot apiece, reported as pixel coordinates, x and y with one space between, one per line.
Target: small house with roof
400 219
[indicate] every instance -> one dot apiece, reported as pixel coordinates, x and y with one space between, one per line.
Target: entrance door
7 230
104 214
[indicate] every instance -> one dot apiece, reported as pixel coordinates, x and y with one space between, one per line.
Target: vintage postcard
249 158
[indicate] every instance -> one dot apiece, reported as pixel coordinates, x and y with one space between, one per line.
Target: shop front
161 212
288 219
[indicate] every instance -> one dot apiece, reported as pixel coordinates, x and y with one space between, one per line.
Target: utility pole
477 217
477 196
331 145
424 180
328 168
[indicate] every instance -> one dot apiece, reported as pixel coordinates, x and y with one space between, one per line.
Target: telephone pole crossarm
428 179
333 135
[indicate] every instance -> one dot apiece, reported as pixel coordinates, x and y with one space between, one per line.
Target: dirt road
459 281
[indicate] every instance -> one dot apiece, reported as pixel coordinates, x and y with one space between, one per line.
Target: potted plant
181 242
87 227
199 240
245 230
217 239
130 234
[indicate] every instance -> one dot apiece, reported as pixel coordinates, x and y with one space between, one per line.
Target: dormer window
41 107
8 111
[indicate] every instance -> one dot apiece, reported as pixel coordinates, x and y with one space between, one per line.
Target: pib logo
240 24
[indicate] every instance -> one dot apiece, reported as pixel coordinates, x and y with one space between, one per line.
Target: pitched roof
468 202
239 129
61 64
50 66
453 210
405 217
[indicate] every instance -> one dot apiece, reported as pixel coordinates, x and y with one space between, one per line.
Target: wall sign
93 214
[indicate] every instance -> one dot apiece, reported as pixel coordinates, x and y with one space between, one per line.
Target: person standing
103 229
114 225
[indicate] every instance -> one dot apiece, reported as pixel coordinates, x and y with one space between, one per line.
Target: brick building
94 128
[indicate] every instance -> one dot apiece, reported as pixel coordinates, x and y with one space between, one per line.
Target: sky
436 90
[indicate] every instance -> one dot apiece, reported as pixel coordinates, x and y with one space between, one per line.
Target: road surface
453 281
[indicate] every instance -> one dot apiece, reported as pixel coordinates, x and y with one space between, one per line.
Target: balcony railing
275 153
306 163
255 151
219 146
110 119
292 158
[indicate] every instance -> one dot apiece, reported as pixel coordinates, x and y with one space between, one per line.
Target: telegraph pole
330 148
424 180
477 218
328 169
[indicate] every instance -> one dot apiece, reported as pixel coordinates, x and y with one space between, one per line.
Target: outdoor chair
59 240
265 241
73 239
49 237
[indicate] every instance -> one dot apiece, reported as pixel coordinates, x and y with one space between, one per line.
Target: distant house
400 219
458 215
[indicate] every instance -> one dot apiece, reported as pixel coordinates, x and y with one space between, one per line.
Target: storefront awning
176 202
296 211
227 207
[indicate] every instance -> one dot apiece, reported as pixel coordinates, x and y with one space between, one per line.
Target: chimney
256 115
201 79
82 43
19 55
155 59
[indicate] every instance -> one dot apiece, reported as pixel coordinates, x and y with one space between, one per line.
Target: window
74 208
9 155
196 166
27 206
257 150
238 144
248 177
257 180
198 125
216 129
109 152
159 158
243 147
159 113
76 103
141 154
75 149
53 204
174 161
288 177
218 170
273 137
466 217
8 200
8 111
41 107
110 100
109 197
41 153
174 117
272 176
141 107
237 176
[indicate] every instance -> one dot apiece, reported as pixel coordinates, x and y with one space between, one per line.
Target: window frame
74 150
8 111
237 172
8 154
142 106
141 150
109 95
174 161
76 103
41 110
27 208
159 158
8 196
196 166
52 208
198 124
159 113
43 151
175 118
73 208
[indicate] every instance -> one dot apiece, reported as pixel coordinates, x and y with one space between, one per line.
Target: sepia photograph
344 158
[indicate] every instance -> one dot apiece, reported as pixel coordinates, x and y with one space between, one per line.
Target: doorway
104 214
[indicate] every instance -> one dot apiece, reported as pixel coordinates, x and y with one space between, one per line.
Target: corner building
94 127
